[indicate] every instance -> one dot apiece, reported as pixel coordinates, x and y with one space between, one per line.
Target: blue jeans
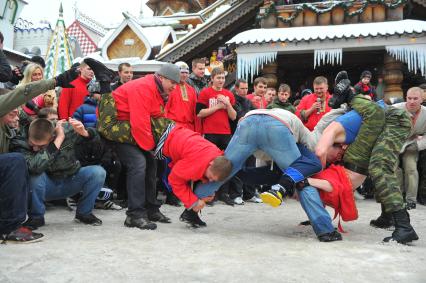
311 202
309 197
256 132
88 180
14 191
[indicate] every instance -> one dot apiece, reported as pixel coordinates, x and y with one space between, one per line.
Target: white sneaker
238 200
107 205
255 199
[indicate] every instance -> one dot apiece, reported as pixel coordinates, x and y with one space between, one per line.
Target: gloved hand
63 80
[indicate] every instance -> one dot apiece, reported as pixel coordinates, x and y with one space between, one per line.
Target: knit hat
366 74
306 91
183 67
170 71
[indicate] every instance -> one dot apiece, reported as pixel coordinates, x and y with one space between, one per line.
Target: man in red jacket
72 98
136 103
313 106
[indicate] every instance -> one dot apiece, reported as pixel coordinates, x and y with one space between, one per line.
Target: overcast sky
107 12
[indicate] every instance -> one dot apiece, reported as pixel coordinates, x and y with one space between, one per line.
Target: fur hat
170 71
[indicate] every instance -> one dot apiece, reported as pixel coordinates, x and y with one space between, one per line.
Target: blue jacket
86 113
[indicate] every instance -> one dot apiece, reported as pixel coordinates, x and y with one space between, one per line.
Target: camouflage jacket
57 163
17 97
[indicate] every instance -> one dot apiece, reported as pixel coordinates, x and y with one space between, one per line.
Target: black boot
404 232
384 221
191 217
103 75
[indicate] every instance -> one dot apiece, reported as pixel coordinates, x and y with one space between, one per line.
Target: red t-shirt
218 122
258 101
314 118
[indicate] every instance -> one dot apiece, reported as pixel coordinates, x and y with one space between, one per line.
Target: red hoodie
191 155
137 101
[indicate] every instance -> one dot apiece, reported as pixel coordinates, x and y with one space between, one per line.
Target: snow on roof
219 11
16 52
157 21
137 63
158 35
329 32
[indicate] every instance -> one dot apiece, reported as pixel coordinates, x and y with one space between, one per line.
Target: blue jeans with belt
256 132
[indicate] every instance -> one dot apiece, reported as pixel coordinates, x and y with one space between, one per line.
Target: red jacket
137 101
181 106
342 196
72 98
190 154
314 118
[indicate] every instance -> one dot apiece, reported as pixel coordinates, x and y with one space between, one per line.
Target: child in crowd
282 100
364 87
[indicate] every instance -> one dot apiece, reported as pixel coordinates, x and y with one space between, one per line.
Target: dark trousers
14 191
141 179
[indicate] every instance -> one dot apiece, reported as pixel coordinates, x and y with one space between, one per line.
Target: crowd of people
91 139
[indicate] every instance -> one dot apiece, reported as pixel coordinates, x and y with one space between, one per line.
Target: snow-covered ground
250 243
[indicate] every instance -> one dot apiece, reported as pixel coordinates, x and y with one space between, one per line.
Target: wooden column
393 77
269 72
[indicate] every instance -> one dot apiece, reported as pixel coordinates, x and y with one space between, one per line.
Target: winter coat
5 69
138 101
86 113
197 83
57 163
282 105
364 89
242 106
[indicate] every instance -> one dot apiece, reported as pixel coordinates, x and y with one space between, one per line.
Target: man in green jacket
13 170
55 172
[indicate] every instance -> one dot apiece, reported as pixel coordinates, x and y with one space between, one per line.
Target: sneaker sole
22 242
270 199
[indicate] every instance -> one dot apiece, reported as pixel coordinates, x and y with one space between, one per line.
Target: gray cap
170 71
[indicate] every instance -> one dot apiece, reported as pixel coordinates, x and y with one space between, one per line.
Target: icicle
327 56
249 64
413 55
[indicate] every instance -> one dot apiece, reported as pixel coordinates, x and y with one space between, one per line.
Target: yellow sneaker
271 197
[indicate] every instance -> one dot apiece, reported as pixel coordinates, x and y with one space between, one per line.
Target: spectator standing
197 78
364 86
257 98
125 73
416 142
71 98
313 106
282 101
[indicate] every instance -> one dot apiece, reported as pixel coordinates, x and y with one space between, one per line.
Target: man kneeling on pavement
54 171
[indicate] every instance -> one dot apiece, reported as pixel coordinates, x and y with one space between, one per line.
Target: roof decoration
325 7
90 23
87 45
309 33
59 55
22 24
